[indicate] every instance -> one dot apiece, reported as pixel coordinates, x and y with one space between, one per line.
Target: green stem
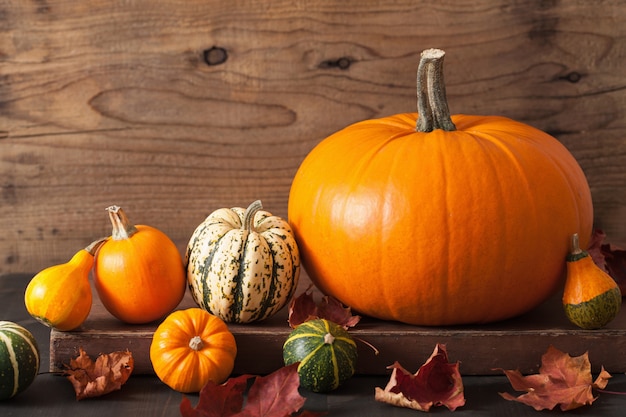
248 217
432 104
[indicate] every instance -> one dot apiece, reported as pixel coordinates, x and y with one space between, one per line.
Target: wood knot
215 55
573 77
342 63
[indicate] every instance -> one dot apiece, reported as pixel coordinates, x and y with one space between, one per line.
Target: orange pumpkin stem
248 217
122 227
432 104
195 343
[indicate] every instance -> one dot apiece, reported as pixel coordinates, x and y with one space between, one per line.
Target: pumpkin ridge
333 358
304 361
239 300
22 334
19 356
503 150
206 290
13 359
268 301
236 295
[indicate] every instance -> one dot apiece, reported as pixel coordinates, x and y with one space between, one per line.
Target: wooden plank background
173 109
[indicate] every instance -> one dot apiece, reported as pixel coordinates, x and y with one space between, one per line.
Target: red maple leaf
562 380
436 383
92 379
610 258
304 307
274 395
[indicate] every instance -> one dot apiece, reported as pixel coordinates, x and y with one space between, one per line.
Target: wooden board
172 109
512 344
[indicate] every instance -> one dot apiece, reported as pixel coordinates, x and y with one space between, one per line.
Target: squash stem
195 343
122 227
575 245
576 253
432 104
92 248
329 339
248 217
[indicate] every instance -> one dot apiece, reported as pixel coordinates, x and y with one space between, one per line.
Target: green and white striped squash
242 265
19 359
326 352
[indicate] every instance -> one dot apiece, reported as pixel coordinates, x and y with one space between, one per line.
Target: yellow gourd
591 298
60 296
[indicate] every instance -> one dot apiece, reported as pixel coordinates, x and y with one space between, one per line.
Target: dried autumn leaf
610 258
304 307
217 400
436 383
562 380
92 379
274 395
301 309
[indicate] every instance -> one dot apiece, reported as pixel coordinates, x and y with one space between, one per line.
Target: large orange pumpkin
438 220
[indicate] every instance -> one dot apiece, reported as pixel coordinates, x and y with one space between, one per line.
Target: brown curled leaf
563 381
92 379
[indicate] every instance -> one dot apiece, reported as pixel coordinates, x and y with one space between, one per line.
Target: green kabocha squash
242 265
19 359
326 352
591 298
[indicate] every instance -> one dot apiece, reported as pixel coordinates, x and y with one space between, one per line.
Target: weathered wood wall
172 109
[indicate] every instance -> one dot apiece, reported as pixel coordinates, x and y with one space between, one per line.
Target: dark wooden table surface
144 395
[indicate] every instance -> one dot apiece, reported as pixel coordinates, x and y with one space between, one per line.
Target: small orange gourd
591 298
138 272
191 347
60 296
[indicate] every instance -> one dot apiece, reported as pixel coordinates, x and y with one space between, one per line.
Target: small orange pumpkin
191 347
138 272
438 219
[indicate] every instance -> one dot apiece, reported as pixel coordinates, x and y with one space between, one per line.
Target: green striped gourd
19 359
242 265
591 298
326 352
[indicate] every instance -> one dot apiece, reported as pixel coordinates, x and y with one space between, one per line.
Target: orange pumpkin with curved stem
438 219
138 272
191 347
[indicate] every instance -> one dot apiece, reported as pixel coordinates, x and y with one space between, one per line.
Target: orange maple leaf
562 380
92 379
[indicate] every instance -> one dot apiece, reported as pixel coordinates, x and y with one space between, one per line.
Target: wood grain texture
173 109
482 349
